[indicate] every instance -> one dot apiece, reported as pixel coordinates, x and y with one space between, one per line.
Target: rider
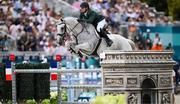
98 21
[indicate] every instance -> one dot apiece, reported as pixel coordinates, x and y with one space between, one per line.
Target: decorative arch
148 83
148 95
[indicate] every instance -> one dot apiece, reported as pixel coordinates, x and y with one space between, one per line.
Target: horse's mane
70 19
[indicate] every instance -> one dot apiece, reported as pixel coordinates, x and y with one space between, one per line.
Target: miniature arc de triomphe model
144 76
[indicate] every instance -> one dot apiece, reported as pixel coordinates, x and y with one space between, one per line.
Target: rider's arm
91 18
81 16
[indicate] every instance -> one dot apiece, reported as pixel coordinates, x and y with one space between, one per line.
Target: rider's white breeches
101 25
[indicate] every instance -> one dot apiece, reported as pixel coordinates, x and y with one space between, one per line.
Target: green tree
169 7
174 8
118 99
160 5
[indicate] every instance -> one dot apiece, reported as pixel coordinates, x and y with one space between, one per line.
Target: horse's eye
62 28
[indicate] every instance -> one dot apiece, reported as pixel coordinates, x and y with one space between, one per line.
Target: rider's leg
103 33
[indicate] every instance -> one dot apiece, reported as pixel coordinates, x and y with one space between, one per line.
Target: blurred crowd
26 25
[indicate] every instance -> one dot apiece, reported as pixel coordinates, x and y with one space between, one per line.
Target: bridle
68 30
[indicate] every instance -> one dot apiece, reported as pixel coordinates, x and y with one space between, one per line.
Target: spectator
1 43
32 44
114 20
132 31
156 39
2 15
148 41
169 47
157 46
21 44
5 43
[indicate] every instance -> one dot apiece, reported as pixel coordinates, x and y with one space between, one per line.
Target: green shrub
31 101
64 95
45 101
9 102
54 97
119 99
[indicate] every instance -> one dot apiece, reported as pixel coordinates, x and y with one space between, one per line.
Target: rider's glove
80 20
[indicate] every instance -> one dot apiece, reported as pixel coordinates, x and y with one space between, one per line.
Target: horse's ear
62 20
55 21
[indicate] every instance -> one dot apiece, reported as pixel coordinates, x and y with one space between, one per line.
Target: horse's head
68 27
61 28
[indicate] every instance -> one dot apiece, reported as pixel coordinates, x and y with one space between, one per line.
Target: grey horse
82 38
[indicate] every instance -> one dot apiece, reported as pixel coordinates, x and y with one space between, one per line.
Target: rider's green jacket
91 17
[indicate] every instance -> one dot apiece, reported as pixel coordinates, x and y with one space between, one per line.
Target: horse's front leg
71 46
85 47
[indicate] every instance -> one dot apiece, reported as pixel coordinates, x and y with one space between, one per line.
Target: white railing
59 71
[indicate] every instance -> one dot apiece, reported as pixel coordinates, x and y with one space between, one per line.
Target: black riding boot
103 34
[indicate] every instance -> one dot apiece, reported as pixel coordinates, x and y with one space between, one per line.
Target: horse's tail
133 46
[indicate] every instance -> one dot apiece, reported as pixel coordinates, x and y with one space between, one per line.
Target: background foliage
118 99
174 8
169 7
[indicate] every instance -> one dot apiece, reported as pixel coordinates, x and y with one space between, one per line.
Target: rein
72 30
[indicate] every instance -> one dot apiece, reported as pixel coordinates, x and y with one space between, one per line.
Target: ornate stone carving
165 99
165 81
118 57
132 81
132 98
109 57
155 79
114 82
114 57
113 93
